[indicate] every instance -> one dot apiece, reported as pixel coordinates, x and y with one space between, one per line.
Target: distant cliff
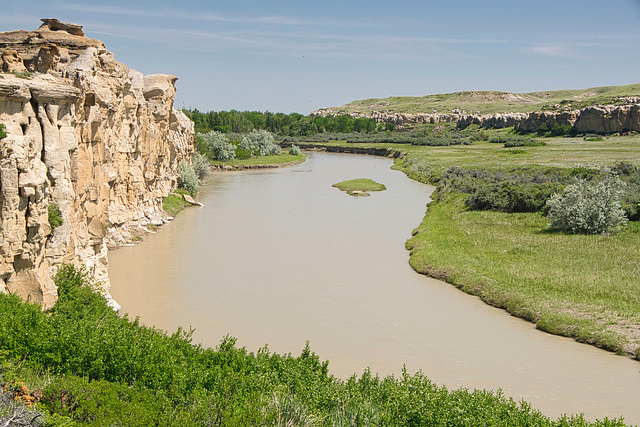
88 135
622 117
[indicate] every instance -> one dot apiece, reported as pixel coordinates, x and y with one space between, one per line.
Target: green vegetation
3 131
294 150
174 203
92 367
491 102
567 284
22 74
293 124
55 216
187 177
359 186
589 208
280 159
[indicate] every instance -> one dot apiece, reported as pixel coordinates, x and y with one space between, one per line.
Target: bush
515 141
3 131
55 216
259 143
588 208
200 165
525 142
217 145
294 150
188 179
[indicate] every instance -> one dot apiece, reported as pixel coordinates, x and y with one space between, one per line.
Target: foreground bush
588 208
109 370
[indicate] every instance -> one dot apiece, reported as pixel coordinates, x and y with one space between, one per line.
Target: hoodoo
89 141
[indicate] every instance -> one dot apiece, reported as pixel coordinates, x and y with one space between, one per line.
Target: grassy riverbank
82 364
579 286
585 287
279 160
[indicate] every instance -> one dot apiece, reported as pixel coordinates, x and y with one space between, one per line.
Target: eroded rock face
89 135
600 119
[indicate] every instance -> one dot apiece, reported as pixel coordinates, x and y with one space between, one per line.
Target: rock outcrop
601 119
89 135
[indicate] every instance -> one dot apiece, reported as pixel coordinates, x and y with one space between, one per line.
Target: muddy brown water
281 257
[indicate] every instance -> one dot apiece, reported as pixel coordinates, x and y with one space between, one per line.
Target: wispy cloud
317 44
202 16
576 50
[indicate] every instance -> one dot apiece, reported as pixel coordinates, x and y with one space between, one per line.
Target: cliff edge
84 133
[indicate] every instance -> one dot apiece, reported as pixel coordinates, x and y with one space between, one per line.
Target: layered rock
602 119
88 134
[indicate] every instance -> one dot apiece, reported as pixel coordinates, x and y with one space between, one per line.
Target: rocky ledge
86 135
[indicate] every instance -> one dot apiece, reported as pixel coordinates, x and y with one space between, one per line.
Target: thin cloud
574 50
202 16
262 43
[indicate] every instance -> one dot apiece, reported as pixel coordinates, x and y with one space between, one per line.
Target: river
278 256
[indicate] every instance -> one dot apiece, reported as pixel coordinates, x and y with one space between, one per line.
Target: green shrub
55 216
187 177
588 208
515 141
562 130
76 297
3 131
543 130
524 142
294 150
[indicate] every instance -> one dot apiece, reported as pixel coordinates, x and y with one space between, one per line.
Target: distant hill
490 102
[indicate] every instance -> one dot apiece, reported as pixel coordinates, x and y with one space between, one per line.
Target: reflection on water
281 257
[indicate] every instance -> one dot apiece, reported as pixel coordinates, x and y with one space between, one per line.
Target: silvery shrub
219 146
200 165
187 177
588 208
260 143
294 150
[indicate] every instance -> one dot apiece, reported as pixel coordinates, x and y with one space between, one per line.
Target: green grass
490 102
280 159
174 203
580 286
359 186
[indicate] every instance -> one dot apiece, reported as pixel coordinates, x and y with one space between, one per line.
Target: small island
359 187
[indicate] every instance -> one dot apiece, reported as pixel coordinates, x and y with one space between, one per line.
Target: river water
280 257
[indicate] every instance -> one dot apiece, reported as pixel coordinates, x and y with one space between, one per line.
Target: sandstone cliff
602 119
88 134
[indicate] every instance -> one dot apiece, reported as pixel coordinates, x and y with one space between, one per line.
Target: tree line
293 124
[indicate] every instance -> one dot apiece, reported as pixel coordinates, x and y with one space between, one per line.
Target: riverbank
82 364
583 287
260 162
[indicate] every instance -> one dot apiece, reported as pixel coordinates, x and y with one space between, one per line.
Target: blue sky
297 56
